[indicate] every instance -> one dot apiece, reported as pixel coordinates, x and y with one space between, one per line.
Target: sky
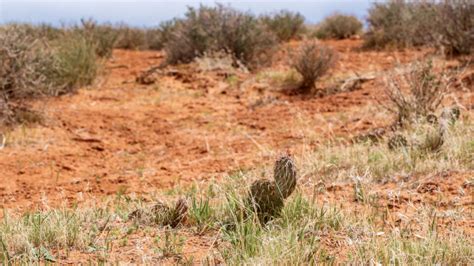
150 13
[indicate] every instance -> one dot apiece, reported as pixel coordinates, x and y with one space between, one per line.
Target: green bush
75 64
286 25
338 26
220 28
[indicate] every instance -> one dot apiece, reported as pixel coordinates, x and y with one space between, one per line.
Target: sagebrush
312 60
338 26
33 67
399 24
220 28
285 24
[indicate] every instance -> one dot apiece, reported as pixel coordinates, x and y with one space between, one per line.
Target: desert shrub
23 64
455 26
399 23
40 31
338 26
130 38
103 37
156 38
220 28
447 24
153 39
416 93
31 67
286 25
75 64
312 61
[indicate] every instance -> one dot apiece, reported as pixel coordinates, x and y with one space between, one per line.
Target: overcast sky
149 13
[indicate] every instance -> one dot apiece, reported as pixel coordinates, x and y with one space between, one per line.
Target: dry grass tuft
416 93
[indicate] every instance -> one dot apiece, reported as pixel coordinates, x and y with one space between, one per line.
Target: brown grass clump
312 61
338 26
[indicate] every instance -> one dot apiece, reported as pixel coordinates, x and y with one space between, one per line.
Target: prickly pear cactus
265 199
397 141
285 176
177 214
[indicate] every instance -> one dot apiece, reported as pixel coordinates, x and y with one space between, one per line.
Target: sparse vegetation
189 151
286 25
338 26
312 61
380 162
301 234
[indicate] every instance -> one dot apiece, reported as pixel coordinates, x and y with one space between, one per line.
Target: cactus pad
285 176
397 141
265 199
162 214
